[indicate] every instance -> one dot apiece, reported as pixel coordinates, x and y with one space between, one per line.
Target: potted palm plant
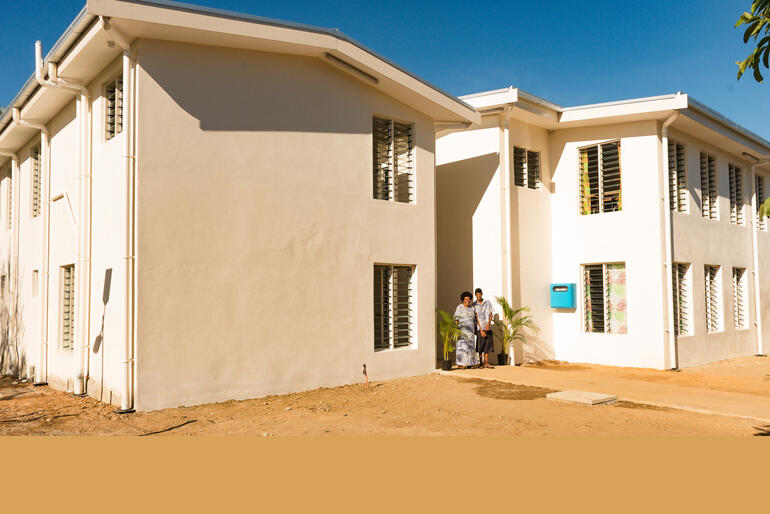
449 332
514 323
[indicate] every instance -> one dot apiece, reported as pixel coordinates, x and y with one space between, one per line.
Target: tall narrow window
67 306
393 149
35 283
681 298
736 195
9 211
35 179
113 107
759 189
711 274
393 306
605 298
677 176
600 183
740 319
708 187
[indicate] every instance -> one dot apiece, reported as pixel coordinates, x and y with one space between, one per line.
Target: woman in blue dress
465 315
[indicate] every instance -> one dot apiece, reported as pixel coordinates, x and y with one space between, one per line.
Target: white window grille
600 184
604 298
736 195
681 290
393 306
713 320
67 306
35 176
393 148
759 189
677 176
113 107
526 168
740 318
708 187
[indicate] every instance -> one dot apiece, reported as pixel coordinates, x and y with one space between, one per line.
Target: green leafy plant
448 330
514 322
758 21
764 209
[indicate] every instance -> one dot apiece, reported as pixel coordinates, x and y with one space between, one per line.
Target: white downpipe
755 256
506 170
673 361
83 259
127 213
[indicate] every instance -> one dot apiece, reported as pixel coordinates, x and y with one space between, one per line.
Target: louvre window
393 148
113 107
35 176
526 168
600 182
736 195
67 306
759 189
393 298
35 283
681 298
740 319
9 211
708 187
712 298
604 299
677 176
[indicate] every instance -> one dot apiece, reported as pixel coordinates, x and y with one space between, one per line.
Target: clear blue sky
568 52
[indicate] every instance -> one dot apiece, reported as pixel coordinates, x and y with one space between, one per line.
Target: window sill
393 350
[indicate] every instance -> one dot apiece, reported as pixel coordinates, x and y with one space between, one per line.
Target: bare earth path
426 405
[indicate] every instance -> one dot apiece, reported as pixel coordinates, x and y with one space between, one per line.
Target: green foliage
514 322
764 209
758 25
448 330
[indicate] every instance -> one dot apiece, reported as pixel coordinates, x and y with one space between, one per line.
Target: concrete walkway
693 399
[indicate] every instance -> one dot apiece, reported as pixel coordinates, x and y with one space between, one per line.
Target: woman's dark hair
464 294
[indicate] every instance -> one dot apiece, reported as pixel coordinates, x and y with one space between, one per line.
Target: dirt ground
425 405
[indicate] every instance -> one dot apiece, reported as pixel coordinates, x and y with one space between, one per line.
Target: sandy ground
426 405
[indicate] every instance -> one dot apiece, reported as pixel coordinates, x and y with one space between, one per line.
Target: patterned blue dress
466 348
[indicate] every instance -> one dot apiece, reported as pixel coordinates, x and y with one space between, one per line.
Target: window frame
605 299
600 179
392 186
63 270
740 299
759 192
118 128
679 193
393 307
735 177
35 179
710 209
682 300
714 320
523 179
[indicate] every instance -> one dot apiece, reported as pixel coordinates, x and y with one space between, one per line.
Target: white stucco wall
632 235
256 228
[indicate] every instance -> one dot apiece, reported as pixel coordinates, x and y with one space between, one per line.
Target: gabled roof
82 51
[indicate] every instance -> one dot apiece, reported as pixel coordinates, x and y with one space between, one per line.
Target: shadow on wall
13 361
460 186
239 90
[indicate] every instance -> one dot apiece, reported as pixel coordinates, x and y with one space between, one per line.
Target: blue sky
569 52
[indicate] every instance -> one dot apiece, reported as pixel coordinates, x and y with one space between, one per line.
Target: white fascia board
492 99
623 108
292 38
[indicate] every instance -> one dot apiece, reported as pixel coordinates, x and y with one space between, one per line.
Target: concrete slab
584 397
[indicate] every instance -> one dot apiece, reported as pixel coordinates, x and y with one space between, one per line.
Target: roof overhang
84 50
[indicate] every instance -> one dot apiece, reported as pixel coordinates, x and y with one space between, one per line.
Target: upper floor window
113 107
677 176
736 195
759 190
600 178
708 187
393 146
526 168
35 179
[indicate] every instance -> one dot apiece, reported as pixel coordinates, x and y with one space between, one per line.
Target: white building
647 205
198 205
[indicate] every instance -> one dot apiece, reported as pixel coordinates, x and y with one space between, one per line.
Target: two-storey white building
647 206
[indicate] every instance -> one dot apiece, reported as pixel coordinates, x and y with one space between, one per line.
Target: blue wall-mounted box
563 296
